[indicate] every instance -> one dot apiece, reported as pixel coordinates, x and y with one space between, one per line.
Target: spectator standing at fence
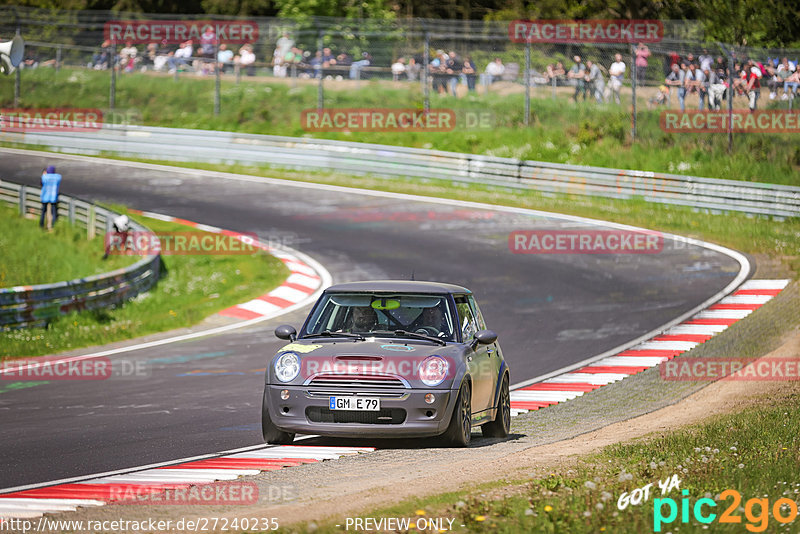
413 69
398 69
224 57
694 83
127 57
101 59
454 68
51 182
246 59
357 66
470 72
642 53
181 56
706 60
784 73
753 87
494 70
577 76
282 48
207 41
716 89
616 73
595 81
674 80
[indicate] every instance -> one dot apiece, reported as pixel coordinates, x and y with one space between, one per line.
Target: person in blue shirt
50 184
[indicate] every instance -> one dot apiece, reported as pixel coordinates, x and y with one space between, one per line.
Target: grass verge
32 255
755 452
191 288
560 131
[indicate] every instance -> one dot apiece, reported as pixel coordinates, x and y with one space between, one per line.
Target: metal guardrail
25 306
361 158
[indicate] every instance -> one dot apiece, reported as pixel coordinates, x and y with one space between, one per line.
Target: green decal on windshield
385 304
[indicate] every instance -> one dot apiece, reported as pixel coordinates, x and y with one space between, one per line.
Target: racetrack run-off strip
303 281
679 339
124 488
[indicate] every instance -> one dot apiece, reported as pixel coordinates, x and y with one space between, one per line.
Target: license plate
364 404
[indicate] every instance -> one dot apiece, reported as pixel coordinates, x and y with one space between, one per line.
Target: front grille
372 386
386 416
352 382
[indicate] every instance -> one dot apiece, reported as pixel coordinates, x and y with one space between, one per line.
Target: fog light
429 398
284 394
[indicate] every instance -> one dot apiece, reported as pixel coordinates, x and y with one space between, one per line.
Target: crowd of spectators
708 78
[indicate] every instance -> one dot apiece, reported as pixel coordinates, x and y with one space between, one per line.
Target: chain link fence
438 61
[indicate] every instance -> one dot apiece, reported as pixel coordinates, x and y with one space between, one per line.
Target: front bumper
304 412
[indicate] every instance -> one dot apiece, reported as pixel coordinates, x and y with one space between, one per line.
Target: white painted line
746 299
259 306
303 280
282 455
296 267
666 345
696 329
517 411
558 396
723 314
632 361
596 379
65 502
288 293
765 284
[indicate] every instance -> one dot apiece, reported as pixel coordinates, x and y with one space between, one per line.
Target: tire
272 434
501 426
459 431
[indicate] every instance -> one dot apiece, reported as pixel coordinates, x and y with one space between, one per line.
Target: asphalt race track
204 395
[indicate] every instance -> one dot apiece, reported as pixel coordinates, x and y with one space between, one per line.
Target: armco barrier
24 306
360 158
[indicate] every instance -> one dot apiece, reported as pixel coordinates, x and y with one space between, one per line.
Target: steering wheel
427 330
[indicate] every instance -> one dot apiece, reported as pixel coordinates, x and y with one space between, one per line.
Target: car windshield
365 313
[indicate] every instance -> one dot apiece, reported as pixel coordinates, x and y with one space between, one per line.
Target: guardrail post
71 210
23 197
58 58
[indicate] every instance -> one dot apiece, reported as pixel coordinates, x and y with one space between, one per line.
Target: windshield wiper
328 333
406 333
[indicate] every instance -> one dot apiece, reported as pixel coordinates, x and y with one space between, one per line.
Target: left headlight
433 370
287 367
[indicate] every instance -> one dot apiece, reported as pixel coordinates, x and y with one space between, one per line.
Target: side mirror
484 337
287 332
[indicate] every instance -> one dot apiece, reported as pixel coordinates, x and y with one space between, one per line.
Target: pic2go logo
783 510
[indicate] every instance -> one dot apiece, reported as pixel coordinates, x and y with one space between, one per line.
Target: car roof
397 286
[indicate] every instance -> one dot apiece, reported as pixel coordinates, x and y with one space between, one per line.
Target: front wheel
459 431
501 426
271 433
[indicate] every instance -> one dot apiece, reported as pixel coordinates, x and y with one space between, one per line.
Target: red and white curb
118 487
674 341
299 288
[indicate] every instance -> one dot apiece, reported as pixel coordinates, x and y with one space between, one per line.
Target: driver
364 319
434 318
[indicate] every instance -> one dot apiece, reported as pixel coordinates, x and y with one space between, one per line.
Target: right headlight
433 370
287 367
